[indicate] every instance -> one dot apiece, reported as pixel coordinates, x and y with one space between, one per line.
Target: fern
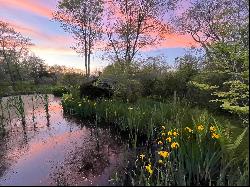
237 142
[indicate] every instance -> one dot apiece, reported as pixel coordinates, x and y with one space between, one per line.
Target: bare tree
133 25
83 20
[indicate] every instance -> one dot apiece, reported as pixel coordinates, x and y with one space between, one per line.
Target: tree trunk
89 47
86 52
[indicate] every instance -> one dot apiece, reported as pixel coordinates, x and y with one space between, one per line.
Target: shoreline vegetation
175 129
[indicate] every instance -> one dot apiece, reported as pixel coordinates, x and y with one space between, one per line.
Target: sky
33 18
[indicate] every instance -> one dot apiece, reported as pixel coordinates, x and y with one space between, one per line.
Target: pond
55 150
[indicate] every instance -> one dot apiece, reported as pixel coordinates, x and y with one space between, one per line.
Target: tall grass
204 157
2 126
25 88
139 119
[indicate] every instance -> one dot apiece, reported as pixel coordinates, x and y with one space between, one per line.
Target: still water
58 151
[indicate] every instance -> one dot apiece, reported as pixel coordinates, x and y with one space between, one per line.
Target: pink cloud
173 41
44 49
34 33
31 6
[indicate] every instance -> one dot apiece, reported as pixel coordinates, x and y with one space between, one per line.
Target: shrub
59 91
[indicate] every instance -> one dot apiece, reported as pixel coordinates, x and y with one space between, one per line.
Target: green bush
123 80
59 91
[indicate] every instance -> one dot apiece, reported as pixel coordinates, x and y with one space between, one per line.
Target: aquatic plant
18 104
33 109
46 107
2 126
8 109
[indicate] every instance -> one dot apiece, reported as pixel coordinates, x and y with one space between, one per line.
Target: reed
46 107
2 126
18 104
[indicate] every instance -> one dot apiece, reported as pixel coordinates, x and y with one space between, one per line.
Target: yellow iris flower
175 133
215 136
200 127
169 139
149 169
164 154
175 145
170 133
212 128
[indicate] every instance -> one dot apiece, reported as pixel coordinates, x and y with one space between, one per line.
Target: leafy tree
151 70
221 27
233 60
13 48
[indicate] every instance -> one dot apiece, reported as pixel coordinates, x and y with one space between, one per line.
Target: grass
25 88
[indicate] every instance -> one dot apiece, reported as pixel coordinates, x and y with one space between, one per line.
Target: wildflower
94 104
142 156
160 161
215 136
188 129
164 154
212 128
160 143
169 139
149 169
175 133
80 104
175 145
163 127
163 134
130 108
200 127
169 133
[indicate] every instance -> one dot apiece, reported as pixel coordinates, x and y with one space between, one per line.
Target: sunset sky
33 19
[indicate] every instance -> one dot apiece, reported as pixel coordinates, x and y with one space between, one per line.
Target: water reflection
55 150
